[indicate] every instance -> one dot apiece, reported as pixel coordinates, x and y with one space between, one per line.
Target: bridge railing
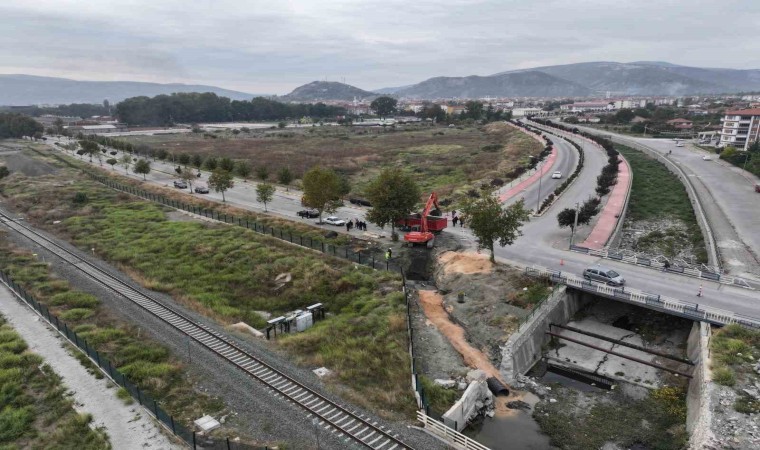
694 311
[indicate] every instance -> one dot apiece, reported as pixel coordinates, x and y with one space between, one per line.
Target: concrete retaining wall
473 399
698 399
525 347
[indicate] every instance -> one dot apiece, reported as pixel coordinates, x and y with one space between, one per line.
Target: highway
727 196
543 243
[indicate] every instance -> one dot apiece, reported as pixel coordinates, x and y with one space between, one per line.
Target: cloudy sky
275 45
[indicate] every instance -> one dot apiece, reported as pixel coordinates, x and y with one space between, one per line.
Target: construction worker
388 254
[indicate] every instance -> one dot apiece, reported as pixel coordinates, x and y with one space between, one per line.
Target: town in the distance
200 248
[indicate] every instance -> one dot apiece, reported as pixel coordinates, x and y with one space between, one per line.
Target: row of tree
165 110
14 125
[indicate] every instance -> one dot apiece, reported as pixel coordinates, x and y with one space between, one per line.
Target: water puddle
512 427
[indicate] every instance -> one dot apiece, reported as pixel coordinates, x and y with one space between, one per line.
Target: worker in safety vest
388 254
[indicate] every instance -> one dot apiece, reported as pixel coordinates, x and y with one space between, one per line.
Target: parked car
557 175
201 190
757 188
707 158
332 220
359 201
308 213
604 275
179 184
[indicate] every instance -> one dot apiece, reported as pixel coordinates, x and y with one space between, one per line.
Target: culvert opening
496 387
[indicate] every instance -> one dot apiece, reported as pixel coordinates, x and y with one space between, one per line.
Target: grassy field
34 409
656 195
229 273
447 160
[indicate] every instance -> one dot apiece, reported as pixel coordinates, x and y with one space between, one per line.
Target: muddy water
510 429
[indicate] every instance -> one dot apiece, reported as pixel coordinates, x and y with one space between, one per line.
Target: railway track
328 413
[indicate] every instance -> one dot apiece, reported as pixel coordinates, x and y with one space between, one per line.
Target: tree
566 218
474 109
624 116
142 166
226 164
321 190
112 162
89 148
58 123
243 169
492 224
184 159
4 172
126 161
384 105
187 176
197 161
285 176
262 173
221 181
264 193
211 163
393 194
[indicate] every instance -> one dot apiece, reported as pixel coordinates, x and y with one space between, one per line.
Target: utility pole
575 224
746 158
315 421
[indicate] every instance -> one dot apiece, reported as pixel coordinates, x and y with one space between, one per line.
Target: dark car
359 201
308 213
201 190
179 184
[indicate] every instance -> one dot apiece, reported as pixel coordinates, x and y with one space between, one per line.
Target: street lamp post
575 224
746 158
538 199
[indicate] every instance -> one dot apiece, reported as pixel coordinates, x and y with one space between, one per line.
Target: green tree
624 116
492 224
90 148
262 173
197 161
211 163
142 166
285 176
184 159
126 161
475 109
227 164
566 218
264 193
393 194
321 190
384 105
112 162
4 172
221 181
243 169
58 124
188 177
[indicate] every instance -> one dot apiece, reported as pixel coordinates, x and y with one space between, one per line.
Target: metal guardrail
449 435
689 310
655 264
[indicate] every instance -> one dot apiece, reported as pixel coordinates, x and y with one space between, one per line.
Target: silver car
604 275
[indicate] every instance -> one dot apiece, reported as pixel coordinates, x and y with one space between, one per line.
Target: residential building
587 106
680 124
741 128
524 112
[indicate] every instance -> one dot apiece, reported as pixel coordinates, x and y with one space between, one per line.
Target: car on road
557 175
179 184
332 220
359 201
201 190
308 213
604 275
707 158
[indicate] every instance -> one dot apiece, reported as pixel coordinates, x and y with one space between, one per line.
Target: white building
740 128
587 106
524 112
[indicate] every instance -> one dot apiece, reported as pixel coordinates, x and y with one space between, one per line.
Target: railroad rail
329 413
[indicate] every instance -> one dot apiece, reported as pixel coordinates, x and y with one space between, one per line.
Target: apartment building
741 128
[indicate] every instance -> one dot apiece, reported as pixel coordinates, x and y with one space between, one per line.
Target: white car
557 175
706 158
332 220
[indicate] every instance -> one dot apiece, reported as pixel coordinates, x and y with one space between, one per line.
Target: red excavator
427 225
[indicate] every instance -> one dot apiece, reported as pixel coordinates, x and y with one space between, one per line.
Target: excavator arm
432 201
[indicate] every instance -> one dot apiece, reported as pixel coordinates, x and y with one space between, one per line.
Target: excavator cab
426 233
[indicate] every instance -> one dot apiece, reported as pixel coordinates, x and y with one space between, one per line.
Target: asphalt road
727 196
543 243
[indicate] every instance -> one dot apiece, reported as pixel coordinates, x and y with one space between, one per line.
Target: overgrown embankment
660 219
34 409
229 273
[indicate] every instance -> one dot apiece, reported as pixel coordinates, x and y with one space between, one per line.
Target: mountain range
588 79
32 90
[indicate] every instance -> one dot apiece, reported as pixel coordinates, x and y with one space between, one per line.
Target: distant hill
519 84
32 90
327 90
587 79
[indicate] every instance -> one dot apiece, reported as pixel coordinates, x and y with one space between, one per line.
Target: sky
273 46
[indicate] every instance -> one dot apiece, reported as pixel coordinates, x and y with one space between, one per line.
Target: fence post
174 430
139 396
194 440
155 408
228 443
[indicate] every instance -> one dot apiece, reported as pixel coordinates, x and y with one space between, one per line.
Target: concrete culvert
496 387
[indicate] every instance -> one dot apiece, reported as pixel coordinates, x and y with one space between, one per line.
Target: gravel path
256 410
128 427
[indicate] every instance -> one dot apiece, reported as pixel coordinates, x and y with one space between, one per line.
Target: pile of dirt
464 263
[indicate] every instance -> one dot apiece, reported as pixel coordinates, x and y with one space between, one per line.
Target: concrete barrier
525 346
698 399
474 398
